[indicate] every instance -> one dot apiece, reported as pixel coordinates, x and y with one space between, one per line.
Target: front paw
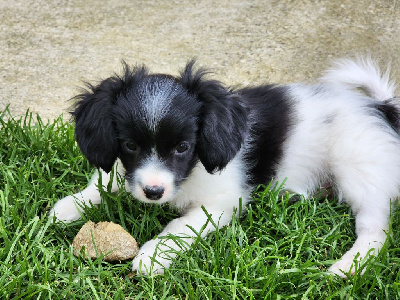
65 210
151 259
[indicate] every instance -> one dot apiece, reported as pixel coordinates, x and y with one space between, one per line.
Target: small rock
109 238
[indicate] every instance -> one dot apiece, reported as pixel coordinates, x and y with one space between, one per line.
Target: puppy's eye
130 146
182 147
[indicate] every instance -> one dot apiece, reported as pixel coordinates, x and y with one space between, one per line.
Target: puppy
192 142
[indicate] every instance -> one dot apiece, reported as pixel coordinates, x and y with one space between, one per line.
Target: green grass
277 250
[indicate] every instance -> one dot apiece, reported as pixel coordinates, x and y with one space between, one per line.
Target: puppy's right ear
95 131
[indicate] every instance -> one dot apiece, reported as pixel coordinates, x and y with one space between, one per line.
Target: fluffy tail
361 73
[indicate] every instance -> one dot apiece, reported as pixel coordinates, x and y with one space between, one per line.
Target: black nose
154 192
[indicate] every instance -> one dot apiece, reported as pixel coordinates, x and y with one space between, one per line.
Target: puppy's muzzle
154 192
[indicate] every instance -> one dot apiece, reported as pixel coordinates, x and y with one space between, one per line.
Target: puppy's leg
155 255
370 202
68 209
364 158
371 228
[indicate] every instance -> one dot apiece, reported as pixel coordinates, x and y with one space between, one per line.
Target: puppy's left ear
223 120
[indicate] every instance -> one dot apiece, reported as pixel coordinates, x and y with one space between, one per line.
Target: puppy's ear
95 130
223 119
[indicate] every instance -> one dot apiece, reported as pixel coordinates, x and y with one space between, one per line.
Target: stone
109 238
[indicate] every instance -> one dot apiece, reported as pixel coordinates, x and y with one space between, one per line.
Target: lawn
278 249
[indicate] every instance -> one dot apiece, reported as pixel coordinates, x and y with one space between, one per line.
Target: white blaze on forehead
157 98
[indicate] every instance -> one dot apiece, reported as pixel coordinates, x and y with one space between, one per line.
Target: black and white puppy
194 143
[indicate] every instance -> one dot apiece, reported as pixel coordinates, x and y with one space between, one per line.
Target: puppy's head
159 126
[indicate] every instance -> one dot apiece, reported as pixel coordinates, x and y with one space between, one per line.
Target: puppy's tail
364 74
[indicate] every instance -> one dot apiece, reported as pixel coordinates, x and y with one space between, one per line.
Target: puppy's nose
153 192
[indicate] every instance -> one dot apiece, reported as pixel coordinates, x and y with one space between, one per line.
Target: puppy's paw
349 265
65 210
355 259
343 267
150 259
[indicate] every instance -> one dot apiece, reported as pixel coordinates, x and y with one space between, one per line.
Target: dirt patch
49 47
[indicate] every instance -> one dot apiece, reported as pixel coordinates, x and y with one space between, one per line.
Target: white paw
65 210
351 263
354 259
343 267
150 259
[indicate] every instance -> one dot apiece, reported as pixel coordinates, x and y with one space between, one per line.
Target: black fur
270 122
390 113
223 119
95 128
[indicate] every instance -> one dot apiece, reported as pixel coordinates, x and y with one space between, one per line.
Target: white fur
361 73
157 106
217 193
68 209
342 141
